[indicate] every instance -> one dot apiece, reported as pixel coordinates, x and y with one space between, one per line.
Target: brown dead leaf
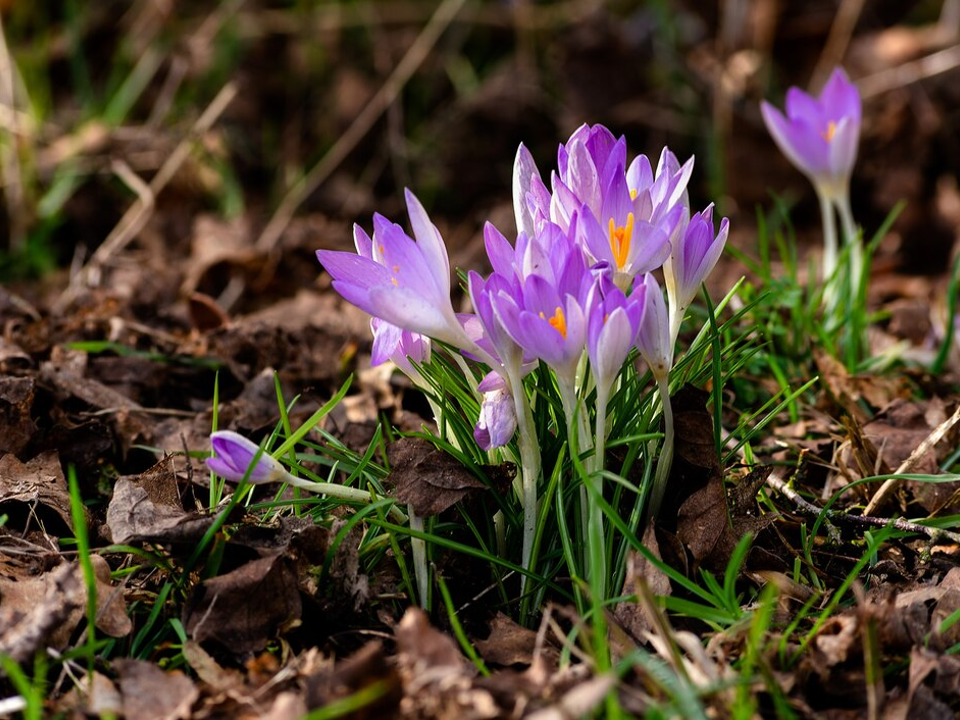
632 615
245 608
710 521
367 666
40 611
427 479
38 484
510 644
133 516
149 693
16 402
66 371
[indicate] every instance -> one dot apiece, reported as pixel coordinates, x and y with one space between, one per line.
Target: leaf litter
118 383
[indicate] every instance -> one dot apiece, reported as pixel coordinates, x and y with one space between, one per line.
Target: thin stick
838 40
889 487
809 508
387 94
139 212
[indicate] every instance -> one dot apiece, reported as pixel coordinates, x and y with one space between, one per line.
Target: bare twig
910 72
838 40
389 92
781 486
889 487
139 212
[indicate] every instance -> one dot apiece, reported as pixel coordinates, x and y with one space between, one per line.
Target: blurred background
169 149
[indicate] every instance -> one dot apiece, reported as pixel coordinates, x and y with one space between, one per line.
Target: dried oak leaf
39 484
429 480
245 608
149 693
146 508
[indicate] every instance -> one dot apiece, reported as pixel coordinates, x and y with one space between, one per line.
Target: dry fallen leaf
149 693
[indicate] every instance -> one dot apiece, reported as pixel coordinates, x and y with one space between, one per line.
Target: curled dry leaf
38 483
245 608
147 508
429 480
16 402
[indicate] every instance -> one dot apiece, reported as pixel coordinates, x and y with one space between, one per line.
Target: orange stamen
558 322
830 131
620 239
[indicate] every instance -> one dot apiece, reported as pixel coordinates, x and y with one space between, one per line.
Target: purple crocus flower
546 318
404 282
235 453
820 135
695 253
613 320
498 414
653 338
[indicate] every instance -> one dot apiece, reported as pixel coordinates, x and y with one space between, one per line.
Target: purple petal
524 172
429 242
840 97
499 250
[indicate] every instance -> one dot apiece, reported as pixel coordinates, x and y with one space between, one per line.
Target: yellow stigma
633 194
830 131
558 322
395 283
620 238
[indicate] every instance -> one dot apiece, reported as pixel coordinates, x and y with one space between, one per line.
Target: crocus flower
498 414
404 282
694 254
235 453
653 338
820 135
613 321
546 319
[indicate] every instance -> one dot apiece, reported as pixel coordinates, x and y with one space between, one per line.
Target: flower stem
529 465
666 451
829 252
419 548
341 492
852 237
595 531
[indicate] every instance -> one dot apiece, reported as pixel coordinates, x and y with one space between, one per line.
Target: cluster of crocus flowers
820 135
572 290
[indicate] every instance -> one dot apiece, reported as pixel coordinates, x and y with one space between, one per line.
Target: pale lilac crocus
820 135
653 338
404 282
693 256
234 455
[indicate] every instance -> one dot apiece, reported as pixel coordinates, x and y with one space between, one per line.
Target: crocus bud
498 415
820 135
235 453
695 252
653 339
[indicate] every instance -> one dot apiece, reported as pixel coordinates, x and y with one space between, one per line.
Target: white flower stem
341 492
829 252
595 531
666 451
419 548
852 237
529 464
